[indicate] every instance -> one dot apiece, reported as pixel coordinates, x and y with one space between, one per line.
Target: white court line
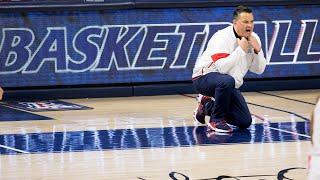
14 149
290 132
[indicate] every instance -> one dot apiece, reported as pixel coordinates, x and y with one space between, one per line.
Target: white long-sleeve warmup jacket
314 154
224 55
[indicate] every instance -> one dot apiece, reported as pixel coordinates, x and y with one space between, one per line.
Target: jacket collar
235 33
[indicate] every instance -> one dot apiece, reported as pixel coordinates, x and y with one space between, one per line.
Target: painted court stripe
144 138
13 149
281 130
279 110
285 98
294 133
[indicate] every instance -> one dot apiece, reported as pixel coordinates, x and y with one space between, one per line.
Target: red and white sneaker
219 126
199 113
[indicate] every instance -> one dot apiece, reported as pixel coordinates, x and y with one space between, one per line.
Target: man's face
244 24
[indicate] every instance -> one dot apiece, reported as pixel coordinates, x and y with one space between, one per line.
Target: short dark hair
240 9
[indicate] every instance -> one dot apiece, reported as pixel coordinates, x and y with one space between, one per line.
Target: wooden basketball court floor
154 137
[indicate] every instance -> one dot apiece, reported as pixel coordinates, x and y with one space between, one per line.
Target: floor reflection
163 137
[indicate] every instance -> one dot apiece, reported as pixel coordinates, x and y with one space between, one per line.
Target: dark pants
229 103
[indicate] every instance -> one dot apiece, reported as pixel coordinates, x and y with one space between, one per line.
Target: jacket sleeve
259 63
221 54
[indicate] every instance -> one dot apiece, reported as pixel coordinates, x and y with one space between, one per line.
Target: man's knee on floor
245 123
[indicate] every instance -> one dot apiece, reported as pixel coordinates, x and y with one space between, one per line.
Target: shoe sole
214 133
217 129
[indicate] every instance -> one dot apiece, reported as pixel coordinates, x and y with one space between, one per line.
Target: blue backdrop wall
145 45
